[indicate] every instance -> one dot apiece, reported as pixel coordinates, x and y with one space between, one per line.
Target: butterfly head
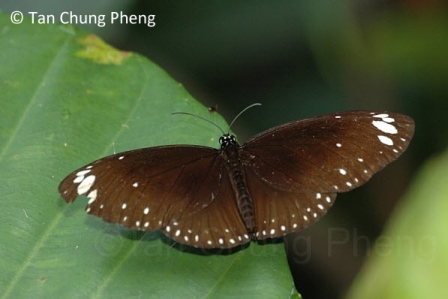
227 139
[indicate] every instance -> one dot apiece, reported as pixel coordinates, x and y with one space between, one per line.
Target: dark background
299 59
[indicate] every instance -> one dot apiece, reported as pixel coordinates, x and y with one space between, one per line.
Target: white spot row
385 126
137 223
196 237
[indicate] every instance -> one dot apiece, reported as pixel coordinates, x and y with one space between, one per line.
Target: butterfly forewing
329 153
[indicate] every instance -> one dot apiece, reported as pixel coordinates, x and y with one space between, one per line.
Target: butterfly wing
297 168
183 190
278 212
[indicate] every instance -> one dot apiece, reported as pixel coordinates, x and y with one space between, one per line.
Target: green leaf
410 259
67 98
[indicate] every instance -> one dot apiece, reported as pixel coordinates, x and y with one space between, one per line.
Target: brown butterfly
278 182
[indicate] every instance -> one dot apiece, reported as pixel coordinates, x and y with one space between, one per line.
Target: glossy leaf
62 108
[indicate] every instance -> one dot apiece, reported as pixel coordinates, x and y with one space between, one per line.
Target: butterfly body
230 149
280 181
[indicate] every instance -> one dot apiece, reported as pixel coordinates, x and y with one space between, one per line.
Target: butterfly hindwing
279 212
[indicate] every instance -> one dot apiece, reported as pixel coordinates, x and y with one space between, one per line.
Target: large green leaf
67 98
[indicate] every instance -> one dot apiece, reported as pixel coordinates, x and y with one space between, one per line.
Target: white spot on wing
388 119
86 184
385 127
385 140
92 196
135 185
146 211
83 172
342 171
78 179
382 115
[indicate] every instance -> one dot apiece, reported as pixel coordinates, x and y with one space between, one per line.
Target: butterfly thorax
230 147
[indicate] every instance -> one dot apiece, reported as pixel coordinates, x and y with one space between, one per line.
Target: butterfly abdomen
239 186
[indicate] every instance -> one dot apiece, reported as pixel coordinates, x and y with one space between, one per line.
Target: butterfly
278 182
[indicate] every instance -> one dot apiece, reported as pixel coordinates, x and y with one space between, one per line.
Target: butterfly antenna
244 110
200 117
